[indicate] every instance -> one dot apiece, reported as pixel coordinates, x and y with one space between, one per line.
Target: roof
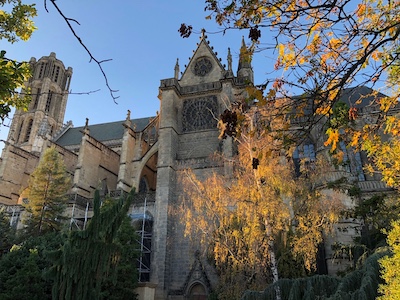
101 132
351 96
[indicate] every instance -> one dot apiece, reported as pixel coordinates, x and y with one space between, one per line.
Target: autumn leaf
333 138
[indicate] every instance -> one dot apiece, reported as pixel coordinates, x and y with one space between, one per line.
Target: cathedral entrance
198 292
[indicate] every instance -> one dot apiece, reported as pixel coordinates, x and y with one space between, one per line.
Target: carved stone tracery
202 66
199 113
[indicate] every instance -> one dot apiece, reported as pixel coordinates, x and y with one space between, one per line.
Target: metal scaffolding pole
72 217
86 215
142 239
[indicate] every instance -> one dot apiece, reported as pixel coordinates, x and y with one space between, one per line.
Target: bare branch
92 58
62 93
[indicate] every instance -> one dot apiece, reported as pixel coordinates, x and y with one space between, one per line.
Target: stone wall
16 167
97 164
198 144
70 158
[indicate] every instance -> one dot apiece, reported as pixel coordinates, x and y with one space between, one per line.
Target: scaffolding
141 219
79 211
14 213
144 224
82 206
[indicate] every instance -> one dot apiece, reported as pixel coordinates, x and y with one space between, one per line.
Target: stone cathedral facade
145 154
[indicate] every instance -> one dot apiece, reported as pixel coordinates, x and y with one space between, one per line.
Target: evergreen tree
377 213
7 234
47 194
361 284
126 270
23 269
91 257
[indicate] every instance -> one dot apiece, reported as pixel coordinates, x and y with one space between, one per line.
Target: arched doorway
198 292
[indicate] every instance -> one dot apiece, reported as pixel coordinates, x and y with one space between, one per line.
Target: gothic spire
244 68
244 57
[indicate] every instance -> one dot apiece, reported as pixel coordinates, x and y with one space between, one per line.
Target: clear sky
141 38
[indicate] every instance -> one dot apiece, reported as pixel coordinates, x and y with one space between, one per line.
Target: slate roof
351 95
101 132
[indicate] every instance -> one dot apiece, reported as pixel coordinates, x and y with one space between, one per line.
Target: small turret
128 122
244 68
86 128
229 72
177 69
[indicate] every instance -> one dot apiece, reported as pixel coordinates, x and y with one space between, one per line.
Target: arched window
48 102
305 153
352 161
28 130
37 96
41 70
19 131
143 185
55 73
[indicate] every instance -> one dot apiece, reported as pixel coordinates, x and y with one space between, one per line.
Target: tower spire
244 68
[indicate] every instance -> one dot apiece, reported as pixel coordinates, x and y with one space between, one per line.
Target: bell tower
49 87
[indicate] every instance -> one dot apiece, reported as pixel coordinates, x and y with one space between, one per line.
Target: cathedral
147 154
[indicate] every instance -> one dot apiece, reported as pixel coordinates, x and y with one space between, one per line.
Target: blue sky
141 38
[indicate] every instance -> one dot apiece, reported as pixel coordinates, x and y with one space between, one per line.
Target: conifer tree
360 284
23 268
92 256
47 194
7 234
126 269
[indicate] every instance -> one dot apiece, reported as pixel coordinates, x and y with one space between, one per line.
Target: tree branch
92 58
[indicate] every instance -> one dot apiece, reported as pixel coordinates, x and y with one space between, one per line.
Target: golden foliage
47 193
239 215
324 47
333 138
390 290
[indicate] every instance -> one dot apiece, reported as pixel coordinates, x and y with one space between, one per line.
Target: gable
204 66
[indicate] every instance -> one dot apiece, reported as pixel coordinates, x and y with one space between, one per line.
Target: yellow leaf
333 138
356 139
281 49
360 9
